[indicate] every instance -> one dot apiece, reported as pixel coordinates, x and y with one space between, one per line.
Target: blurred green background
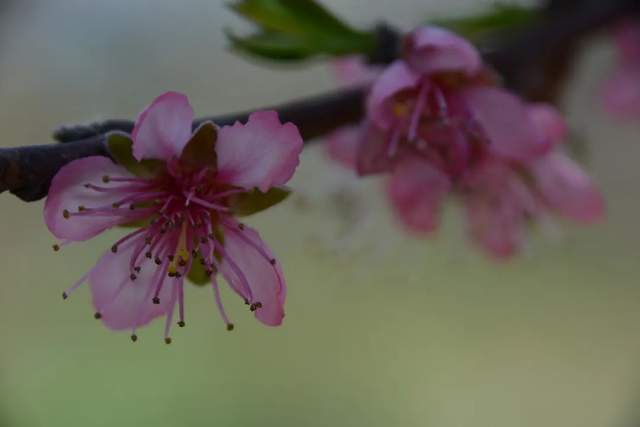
381 329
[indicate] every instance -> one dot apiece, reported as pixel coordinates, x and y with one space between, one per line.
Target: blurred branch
534 62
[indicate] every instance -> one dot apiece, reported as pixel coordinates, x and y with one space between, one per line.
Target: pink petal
505 120
498 206
342 145
68 192
435 50
567 189
352 70
265 280
549 122
125 303
416 190
372 155
621 92
163 129
262 153
397 78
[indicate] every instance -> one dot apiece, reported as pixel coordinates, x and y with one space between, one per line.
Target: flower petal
265 280
505 121
68 192
397 78
262 153
416 190
549 123
353 69
372 155
498 206
567 189
621 92
435 50
342 145
163 129
124 303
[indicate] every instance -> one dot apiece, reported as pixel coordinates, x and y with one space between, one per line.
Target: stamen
75 286
417 111
218 298
209 205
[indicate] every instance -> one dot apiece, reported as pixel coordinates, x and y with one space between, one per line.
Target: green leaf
255 201
297 29
198 274
200 151
291 16
271 45
501 16
120 146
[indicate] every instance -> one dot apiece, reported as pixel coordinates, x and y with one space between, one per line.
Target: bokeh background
381 329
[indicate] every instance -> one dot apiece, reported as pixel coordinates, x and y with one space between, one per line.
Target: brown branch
534 62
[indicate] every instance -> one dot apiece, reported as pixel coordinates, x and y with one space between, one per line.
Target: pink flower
441 104
182 190
503 198
621 91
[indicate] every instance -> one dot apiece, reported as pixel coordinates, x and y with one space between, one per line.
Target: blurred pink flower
621 91
438 124
185 209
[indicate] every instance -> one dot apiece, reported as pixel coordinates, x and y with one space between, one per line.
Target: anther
203 240
172 274
156 300
258 304
106 179
181 324
246 301
64 295
252 307
158 261
114 248
194 252
241 226
170 258
167 340
66 214
137 269
133 276
272 261
229 326
208 273
116 205
56 247
81 208
148 255
182 262
132 207
147 240
97 315
134 338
